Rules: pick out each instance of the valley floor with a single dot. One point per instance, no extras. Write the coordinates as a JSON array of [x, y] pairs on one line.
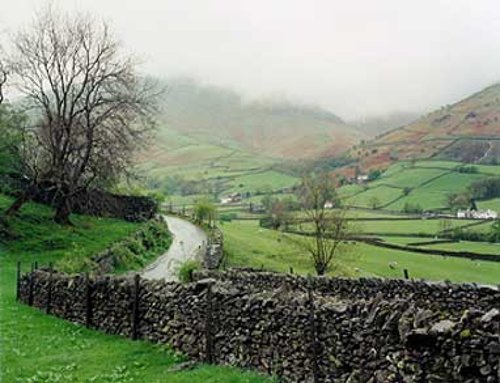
[[247, 244]]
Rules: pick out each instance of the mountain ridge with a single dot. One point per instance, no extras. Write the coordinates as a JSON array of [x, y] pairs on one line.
[[467, 131]]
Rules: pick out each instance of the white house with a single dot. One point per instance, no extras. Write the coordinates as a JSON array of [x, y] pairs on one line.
[[328, 205], [477, 214]]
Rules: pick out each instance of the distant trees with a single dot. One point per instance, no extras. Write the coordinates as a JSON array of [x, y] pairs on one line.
[[469, 169], [374, 174], [279, 209], [90, 109], [485, 189], [205, 212], [330, 228], [412, 208], [457, 201], [479, 190]]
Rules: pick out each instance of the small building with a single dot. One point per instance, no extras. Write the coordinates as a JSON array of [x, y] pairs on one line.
[[231, 198], [329, 205], [477, 214], [362, 178]]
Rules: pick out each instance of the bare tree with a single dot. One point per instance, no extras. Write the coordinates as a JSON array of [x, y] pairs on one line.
[[330, 227], [3, 75], [90, 108]]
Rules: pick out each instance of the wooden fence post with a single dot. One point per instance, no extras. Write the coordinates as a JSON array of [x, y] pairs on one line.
[[208, 326], [313, 333], [18, 281], [49, 291], [405, 271], [135, 307], [30, 296], [88, 301]]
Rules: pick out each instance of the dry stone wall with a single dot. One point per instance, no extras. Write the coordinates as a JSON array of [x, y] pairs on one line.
[[441, 296], [319, 330]]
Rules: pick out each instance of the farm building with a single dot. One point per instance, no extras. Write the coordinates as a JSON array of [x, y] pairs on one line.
[[477, 214]]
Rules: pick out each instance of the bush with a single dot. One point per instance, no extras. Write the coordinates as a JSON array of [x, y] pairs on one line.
[[227, 217], [412, 208], [131, 253], [467, 169], [186, 270]]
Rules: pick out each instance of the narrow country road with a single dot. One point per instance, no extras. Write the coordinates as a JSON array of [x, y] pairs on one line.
[[188, 243]]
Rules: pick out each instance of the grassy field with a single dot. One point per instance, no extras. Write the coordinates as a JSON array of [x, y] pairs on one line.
[[37, 348], [247, 244], [231, 167], [413, 226], [474, 247], [417, 226], [375, 197], [427, 183]]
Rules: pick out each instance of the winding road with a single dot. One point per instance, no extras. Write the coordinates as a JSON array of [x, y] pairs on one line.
[[188, 243]]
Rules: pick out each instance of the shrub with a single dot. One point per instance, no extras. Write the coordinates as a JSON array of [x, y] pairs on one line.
[[412, 208], [227, 217], [186, 270]]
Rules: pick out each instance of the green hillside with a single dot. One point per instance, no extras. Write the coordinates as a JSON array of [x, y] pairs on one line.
[[466, 131], [423, 184], [213, 135]]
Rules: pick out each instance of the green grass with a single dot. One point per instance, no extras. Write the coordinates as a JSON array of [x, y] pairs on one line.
[[430, 183], [375, 261], [247, 244], [475, 247], [262, 181], [412, 177], [417, 226], [382, 195], [37, 348], [493, 204]]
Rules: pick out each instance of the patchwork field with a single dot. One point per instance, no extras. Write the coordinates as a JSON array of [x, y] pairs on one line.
[[423, 184]]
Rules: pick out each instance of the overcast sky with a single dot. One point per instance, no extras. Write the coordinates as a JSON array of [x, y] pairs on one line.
[[354, 57]]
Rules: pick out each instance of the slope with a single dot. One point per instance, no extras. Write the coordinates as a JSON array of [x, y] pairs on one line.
[[467, 131]]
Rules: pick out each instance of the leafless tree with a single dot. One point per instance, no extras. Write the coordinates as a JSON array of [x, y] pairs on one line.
[[3, 75], [330, 227], [91, 110]]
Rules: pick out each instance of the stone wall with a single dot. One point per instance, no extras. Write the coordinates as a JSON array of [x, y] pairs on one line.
[[90, 202], [104, 204], [433, 295], [357, 332], [214, 251]]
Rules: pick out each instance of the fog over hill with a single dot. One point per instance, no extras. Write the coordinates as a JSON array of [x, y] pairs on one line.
[[271, 127], [377, 124]]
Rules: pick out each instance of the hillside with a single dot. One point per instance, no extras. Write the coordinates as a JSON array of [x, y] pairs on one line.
[[195, 114], [467, 131], [227, 144]]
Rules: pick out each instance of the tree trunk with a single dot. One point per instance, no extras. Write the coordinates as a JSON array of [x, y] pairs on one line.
[[17, 204], [320, 268], [63, 212]]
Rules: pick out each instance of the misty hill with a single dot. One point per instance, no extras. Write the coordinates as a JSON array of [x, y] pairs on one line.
[[383, 123], [467, 131], [200, 114]]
